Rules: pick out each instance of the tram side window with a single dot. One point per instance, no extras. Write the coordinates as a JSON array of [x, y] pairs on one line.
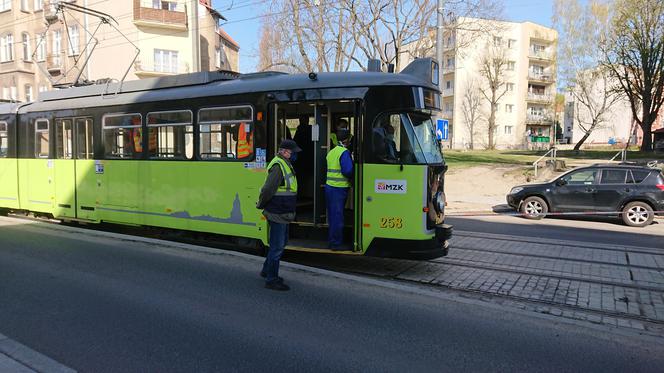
[[64, 143], [83, 135], [41, 138], [123, 136], [171, 134], [226, 133], [4, 140]]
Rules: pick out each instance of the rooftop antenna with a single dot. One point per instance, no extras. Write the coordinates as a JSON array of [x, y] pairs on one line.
[[54, 10]]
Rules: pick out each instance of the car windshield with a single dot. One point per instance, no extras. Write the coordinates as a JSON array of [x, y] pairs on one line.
[[406, 138]]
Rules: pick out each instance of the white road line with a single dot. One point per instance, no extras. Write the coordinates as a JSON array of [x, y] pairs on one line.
[[15, 358]]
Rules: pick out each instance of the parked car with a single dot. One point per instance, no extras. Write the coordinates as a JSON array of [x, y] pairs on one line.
[[633, 192]]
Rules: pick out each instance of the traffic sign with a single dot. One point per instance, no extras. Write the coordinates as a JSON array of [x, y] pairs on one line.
[[442, 129]]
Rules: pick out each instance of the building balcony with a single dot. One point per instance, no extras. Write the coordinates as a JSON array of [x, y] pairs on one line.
[[541, 98], [448, 114], [542, 78], [539, 120], [448, 69], [540, 55], [146, 68], [54, 64], [448, 92], [146, 15]]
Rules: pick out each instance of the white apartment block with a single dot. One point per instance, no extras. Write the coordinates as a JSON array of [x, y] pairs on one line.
[[615, 124], [524, 116], [160, 29]]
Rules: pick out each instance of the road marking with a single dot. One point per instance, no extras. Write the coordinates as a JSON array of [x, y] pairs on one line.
[[16, 357]]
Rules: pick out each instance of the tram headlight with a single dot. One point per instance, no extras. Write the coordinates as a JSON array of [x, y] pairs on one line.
[[439, 202]]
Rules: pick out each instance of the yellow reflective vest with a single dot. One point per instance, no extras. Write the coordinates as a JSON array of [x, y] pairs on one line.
[[334, 176]]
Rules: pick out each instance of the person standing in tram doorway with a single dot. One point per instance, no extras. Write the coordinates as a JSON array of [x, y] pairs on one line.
[[278, 200], [339, 173]]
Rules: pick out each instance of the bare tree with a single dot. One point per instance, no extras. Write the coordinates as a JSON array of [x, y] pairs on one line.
[[493, 67], [593, 98], [634, 54], [581, 29], [471, 106], [339, 35]]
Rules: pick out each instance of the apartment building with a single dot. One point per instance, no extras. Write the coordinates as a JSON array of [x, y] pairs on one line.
[[524, 115], [161, 30]]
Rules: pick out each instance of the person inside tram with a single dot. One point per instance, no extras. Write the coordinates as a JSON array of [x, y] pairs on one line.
[[391, 152], [340, 126]]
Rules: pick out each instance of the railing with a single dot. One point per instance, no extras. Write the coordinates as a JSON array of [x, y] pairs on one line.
[[540, 77], [553, 154], [538, 97], [448, 114], [539, 119], [448, 92], [541, 55], [143, 11], [448, 69], [623, 156], [147, 65]]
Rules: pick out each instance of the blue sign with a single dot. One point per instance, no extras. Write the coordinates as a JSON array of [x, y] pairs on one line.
[[442, 129]]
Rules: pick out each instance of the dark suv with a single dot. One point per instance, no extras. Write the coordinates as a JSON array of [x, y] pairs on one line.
[[634, 192]]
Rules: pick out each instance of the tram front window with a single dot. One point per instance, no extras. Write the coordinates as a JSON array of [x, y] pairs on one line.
[[405, 138]]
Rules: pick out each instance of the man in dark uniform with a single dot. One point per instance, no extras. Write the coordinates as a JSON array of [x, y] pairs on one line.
[[278, 200]]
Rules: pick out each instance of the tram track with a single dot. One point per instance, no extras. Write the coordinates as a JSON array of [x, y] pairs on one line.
[[575, 244], [551, 257]]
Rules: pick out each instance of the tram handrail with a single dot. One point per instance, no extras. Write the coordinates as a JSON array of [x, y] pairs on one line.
[[554, 153]]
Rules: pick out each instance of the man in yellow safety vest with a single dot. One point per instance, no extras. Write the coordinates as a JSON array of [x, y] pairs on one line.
[[278, 199], [339, 173]]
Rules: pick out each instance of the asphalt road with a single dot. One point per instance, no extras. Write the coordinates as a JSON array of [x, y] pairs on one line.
[[98, 304], [585, 229]]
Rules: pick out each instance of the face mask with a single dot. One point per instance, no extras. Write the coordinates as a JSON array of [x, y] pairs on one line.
[[293, 157]]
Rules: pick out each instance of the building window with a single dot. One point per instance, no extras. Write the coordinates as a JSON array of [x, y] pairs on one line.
[[24, 5], [28, 93], [41, 48], [41, 138], [217, 58], [13, 93], [511, 65], [164, 5], [165, 61], [171, 134], [497, 41], [508, 130], [7, 48], [4, 140], [510, 87], [57, 44], [537, 69], [123, 135], [26, 46], [448, 84], [509, 108], [39, 5], [511, 43], [73, 41], [5, 93], [5, 5], [450, 62], [226, 133]]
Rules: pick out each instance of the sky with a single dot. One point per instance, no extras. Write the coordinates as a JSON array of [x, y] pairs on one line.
[[244, 22]]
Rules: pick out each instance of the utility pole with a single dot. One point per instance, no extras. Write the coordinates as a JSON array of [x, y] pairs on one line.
[[439, 52], [195, 38]]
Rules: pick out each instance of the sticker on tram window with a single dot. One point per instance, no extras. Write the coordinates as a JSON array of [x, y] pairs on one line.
[[391, 223], [391, 186]]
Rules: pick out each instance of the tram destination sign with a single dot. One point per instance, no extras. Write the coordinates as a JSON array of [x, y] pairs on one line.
[[391, 186]]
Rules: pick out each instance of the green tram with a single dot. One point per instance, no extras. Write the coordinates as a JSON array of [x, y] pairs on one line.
[[163, 152]]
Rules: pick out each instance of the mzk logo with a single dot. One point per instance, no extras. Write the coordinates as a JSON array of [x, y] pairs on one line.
[[391, 186]]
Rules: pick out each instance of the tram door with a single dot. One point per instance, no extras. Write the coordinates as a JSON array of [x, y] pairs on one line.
[[64, 169]]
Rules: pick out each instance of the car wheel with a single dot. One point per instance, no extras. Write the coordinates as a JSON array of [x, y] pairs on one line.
[[534, 208], [637, 214]]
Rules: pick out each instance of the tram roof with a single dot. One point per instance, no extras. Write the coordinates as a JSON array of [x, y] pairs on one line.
[[196, 85]]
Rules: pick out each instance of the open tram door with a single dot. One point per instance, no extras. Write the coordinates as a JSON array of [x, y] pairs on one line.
[[310, 125]]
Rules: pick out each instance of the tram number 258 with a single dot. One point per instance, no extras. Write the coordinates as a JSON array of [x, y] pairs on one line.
[[391, 223]]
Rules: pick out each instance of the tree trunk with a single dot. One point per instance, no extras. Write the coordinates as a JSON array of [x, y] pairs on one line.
[[578, 145], [646, 127], [472, 138], [492, 125]]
